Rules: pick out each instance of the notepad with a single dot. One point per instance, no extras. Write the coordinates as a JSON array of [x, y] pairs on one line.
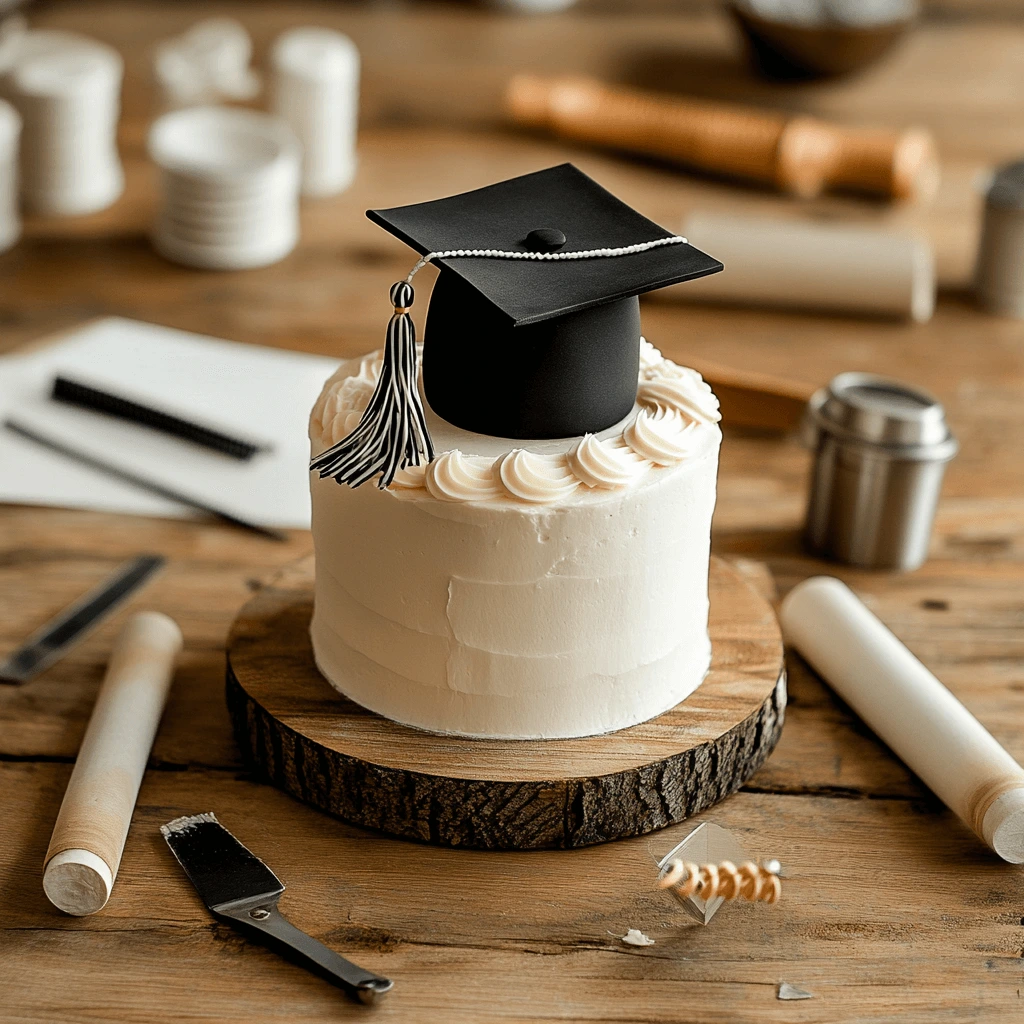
[[260, 394]]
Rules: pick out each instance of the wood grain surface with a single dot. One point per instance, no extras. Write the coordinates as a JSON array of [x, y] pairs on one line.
[[296, 730], [892, 909]]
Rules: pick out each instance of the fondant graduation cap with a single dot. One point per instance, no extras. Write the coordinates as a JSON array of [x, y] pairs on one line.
[[533, 329]]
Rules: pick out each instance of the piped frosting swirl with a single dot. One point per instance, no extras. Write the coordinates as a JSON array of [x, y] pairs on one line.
[[661, 436], [599, 464], [687, 394], [540, 479], [453, 476]]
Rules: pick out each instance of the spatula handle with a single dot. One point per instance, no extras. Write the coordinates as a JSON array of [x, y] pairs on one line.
[[273, 927], [88, 838]]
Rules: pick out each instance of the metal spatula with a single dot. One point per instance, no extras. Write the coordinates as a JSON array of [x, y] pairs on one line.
[[238, 887]]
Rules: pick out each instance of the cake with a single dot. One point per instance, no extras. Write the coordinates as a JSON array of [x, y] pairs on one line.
[[532, 561]]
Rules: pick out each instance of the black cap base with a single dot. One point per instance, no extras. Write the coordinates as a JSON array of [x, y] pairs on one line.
[[562, 377]]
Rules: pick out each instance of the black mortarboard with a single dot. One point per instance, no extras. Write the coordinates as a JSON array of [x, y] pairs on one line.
[[533, 329]]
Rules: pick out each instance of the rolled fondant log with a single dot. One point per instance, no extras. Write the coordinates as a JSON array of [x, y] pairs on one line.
[[838, 267], [923, 723], [88, 838]]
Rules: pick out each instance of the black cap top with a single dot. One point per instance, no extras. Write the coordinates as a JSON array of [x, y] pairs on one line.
[[526, 214]]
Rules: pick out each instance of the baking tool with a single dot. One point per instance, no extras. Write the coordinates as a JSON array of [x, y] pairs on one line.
[[880, 452], [798, 154], [136, 480], [237, 886], [702, 872], [314, 86], [88, 838], [999, 273], [207, 64], [50, 643], [808, 38], [323, 749], [230, 187], [87, 396], [10, 133], [813, 265], [68, 94], [749, 398], [923, 723]]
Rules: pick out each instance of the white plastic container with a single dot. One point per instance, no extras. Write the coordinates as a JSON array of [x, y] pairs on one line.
[[69, 100], [230, 187], [10, 132], [314, 86]]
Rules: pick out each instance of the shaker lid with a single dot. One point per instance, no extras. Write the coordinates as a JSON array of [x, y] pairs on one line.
[[1007, 186], [874, 410]]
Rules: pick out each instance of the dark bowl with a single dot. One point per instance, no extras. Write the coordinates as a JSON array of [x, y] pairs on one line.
[[784, 50]]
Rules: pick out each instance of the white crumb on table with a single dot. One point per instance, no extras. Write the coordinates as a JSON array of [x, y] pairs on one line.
[[787, 991], [635, 937]]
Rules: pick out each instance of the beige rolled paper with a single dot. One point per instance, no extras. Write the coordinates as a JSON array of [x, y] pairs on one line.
[[88, 838], [833, 267], [923, 723]]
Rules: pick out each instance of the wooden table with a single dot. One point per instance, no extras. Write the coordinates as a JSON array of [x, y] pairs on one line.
[[890, 904]]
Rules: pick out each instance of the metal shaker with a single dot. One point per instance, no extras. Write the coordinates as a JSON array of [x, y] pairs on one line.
[[999, 272], [880, 452]]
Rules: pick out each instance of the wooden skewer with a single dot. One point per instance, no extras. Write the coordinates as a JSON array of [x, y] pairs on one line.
[[88, 838], [798, 154]]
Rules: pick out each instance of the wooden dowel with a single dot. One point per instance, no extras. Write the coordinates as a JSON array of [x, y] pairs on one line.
[[923, 723], [758, 400], [800, 154], [88, 838]]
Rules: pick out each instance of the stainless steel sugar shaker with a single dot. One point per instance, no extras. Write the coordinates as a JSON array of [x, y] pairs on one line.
[[999, 271], [880, 451]]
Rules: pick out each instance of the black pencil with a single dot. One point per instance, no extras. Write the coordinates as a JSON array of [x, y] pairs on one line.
[[88, 396], [143, 483]]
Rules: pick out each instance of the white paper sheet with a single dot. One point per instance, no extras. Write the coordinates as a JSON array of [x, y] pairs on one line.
[[259, 394]]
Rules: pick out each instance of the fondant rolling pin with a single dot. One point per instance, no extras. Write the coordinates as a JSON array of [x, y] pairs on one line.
[[923, 723], [808, 265], [88, 839], [798, 154]]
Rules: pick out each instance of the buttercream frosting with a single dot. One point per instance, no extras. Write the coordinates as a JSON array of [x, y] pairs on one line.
[[674, 419], [539, 479], [603, 464], [453, 476]]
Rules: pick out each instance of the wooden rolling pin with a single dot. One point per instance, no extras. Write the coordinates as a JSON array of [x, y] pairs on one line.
[[88, 839], [798, 154]]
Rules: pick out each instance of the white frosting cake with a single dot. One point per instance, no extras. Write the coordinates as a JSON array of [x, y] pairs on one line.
[[516, 589]]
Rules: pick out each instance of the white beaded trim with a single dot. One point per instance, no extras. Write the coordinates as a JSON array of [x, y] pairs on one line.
[[582, 254]]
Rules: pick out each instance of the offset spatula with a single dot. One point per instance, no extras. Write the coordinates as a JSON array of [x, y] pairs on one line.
[[239, 887]]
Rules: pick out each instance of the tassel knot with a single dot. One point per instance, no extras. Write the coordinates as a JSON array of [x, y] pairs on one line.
[[392, 433]]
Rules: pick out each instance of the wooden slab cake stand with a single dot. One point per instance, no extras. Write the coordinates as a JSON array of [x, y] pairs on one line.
[[303, 736]]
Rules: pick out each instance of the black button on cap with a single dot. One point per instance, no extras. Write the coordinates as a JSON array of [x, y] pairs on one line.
[[545, 240]]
